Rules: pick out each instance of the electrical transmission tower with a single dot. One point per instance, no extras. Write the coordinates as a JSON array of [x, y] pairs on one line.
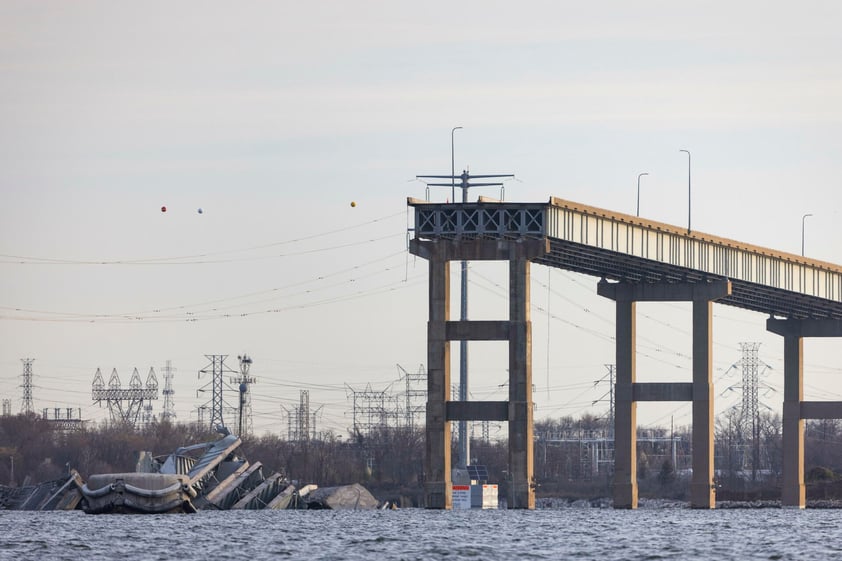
[[243, 383], [299, 418], [124, 404], [168, 413], [370, 410], [608, 396], [6, 410], [749, 417], [304, 415], [748, 411], [301, 421], [147, 416], [416, 394], [26, 385], [217, 405]]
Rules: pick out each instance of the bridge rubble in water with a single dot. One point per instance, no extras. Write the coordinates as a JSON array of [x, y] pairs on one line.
[[207, 476]]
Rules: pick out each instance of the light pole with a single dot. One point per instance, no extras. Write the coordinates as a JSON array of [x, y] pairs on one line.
[[688, 189], [452, 167], [638, 191], [803, 218], [464, 443]]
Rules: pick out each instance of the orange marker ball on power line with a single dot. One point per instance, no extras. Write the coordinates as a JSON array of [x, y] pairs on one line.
[[353, 203]]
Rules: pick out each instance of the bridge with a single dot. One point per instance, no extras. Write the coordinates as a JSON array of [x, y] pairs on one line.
[[636, 260]]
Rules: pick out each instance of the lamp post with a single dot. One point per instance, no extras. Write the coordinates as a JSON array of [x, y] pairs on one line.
[[688, 189], [452, 167], [638, 191], [464, 443], [803, 219]]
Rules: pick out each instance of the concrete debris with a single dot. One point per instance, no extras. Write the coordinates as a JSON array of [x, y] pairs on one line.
[[138, 492], [211, 475], [346, 497], [60, 494]]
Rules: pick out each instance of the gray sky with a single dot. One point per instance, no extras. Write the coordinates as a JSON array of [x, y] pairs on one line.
[[273, 116]]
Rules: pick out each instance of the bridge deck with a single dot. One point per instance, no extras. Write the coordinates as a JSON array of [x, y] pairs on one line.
[[622, 247]]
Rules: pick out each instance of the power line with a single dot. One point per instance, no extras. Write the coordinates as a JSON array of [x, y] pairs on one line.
[[156, 314], [179, 260]]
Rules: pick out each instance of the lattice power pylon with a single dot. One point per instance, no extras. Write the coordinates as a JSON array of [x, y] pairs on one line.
[[304, 415], [416, 394], [124, 404], [168, 412], [301, 421], [749, 418], [748, 411], [217, 406], [371, 411], [608, 396], [6, 408], [26, 405]]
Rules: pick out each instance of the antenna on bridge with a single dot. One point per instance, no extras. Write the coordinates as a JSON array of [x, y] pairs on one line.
[[465, 182]]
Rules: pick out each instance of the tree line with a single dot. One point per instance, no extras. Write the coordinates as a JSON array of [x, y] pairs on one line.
[[573, 456]]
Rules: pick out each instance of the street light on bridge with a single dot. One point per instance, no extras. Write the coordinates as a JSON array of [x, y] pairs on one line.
[[452, 167], [803, 218], [638, 191], [688, 189]]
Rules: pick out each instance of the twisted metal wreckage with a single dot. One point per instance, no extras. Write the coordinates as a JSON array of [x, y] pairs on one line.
[[207, 476]]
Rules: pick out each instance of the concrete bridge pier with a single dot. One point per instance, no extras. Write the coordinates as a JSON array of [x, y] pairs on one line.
[[517, 331], [795, 409], [702, 490], [625, 408], [521, 406], [438, 488], [628, 391]]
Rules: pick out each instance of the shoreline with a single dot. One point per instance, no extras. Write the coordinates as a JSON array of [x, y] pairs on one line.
[[607, 502]]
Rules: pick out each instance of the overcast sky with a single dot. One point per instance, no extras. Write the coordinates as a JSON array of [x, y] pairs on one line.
[[271, 117]]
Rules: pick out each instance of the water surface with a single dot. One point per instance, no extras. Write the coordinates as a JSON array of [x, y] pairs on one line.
[[566, 533]]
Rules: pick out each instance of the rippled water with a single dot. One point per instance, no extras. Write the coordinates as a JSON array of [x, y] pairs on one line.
[[569, 533]]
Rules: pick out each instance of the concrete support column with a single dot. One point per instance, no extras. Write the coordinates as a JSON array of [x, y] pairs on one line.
[[438, 488], [625, 409], [702, 491], [792, 491], [795, 409], [628, 391], [521, 441], [438, 491]]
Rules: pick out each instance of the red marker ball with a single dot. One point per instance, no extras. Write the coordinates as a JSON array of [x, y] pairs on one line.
[[163, 209]]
